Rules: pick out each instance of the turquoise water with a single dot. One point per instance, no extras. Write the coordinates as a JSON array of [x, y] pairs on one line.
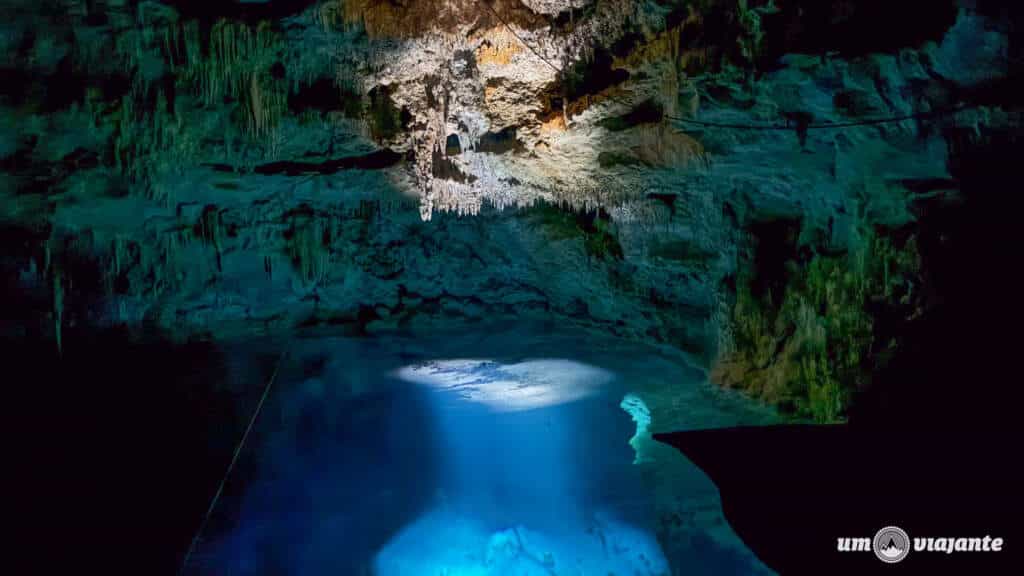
[[504, 453]]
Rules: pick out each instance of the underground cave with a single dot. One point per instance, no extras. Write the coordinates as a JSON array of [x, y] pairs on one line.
[[509, 287]]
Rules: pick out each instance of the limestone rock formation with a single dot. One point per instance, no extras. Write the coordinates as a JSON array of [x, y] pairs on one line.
[[647, 168], [637, 409]]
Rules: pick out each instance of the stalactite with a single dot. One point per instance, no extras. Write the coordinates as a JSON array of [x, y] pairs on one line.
[[58, 309], [46, 257], [236, 65], [309, 250], [118, 254]]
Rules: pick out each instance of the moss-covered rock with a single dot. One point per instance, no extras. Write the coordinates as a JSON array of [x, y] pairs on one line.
[[594, 228], [808, 343]]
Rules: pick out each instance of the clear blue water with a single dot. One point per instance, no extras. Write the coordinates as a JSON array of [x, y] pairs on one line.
[[370, 459]]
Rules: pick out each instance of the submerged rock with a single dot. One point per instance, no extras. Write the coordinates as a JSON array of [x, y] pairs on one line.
[[637, 409]]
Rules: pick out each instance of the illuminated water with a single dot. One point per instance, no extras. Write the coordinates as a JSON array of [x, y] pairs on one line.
[[506, 453]]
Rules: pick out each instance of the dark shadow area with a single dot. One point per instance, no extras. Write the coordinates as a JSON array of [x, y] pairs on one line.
[[928, 446], [377, 160], [854, 28], [647, 112], [791, 491], [123, 441], [209, 11], [776, 244], [326, 480], [500, 142], [954, 366], [324, 95]]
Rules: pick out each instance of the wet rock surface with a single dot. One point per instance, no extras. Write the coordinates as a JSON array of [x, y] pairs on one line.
[[806, 203], [226, 169]]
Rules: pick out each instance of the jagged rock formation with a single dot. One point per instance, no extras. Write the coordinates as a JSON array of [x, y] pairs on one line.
[[501, 100], [637, 409], [221, 169]]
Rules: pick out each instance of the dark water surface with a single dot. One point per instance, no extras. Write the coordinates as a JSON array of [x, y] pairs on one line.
[[497, 454], [356, 466]]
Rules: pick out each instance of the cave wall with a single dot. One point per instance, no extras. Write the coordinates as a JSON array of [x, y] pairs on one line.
[[216, 170]]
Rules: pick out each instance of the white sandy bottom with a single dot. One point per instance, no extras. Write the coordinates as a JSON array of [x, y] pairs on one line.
[[444, 543]]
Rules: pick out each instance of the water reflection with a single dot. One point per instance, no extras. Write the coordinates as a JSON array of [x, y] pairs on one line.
[[375, 457]]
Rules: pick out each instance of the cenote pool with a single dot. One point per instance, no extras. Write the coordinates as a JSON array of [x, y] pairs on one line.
[[500, 452]]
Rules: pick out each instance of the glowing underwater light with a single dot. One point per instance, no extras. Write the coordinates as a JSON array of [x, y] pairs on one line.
[[516, 492], [514, 387]]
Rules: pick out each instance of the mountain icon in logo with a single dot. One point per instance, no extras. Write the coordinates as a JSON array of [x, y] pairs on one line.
[[891, 549], [891, 544]]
